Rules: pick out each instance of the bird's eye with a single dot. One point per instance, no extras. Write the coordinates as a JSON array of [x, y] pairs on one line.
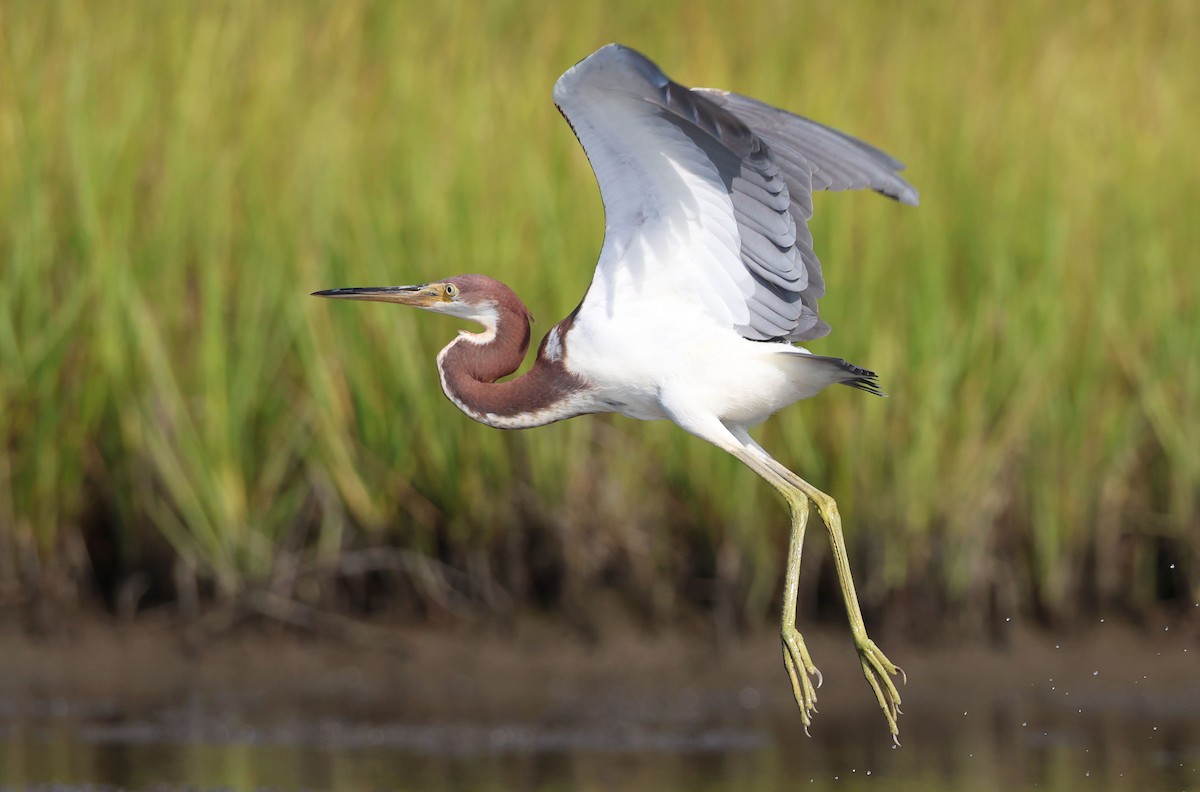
[[451, 290]]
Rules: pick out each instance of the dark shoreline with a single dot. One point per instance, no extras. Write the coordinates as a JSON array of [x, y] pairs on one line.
[[438, 674]]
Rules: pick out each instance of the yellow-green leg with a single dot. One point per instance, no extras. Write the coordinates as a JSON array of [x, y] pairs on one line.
[[796, 659], [798, 492], [875, 665]]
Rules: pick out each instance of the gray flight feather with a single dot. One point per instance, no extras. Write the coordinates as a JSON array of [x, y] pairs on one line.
[[768, 160]]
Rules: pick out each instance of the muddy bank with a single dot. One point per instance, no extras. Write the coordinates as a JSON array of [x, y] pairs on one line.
[[538, 672]]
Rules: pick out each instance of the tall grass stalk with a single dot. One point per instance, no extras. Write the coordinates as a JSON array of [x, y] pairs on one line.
[[176, 177]]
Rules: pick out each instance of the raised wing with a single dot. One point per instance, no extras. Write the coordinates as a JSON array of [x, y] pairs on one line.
[[716, 185]]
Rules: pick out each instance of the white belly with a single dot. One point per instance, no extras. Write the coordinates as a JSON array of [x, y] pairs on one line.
[[636, 363]]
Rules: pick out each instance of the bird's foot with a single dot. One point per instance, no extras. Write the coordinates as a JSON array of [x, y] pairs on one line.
[[802, 672], [879, 672]]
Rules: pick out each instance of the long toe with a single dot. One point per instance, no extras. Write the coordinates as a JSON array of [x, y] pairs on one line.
[[801, 673], [879, 672]]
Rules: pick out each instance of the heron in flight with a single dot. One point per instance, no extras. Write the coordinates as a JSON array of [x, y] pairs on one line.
[[705, 284]]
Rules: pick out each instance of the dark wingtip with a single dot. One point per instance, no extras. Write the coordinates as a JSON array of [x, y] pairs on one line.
[[867, 384], [860, 378]]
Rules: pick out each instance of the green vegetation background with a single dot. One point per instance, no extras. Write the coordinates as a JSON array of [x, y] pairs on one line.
[[175, 178]]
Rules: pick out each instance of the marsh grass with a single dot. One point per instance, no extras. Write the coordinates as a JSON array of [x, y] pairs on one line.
[[175, 178]]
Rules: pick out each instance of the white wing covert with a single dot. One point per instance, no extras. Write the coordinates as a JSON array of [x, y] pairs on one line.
[[729, 173]]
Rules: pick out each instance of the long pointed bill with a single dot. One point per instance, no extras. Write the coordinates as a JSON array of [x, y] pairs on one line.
[[418, 296]]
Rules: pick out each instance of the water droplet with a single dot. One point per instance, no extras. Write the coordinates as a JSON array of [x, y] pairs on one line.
[[749, 698]]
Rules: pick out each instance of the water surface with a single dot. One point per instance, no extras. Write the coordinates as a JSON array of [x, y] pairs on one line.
[[1014, 720]]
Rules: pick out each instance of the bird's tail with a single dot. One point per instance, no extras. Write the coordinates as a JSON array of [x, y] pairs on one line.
[[852, 375]]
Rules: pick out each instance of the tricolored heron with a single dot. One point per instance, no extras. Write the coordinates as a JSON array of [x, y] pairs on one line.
[[706, 281]]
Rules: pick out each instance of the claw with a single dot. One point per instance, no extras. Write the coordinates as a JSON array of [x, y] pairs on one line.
[[801, 673], [879, 671], [820, 677]]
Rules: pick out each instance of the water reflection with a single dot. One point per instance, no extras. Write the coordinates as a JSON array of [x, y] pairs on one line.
[[1107, 713], [1011, 744]]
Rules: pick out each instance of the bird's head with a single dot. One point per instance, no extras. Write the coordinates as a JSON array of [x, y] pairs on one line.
[[477, 298]]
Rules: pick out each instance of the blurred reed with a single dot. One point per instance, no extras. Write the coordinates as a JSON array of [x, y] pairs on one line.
[[176, 177]]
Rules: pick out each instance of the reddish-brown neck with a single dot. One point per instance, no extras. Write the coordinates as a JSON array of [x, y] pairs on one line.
[[471, 365]]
